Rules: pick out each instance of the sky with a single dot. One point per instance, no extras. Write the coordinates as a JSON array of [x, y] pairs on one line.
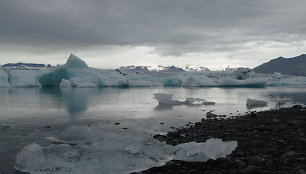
[[114, 33]]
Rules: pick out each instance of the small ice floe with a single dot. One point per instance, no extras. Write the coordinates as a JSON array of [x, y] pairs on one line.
[[166, 99], [252, 103], [114, 151], [197, 101]]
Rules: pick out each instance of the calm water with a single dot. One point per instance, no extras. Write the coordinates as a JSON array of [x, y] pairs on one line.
[[30, 110]]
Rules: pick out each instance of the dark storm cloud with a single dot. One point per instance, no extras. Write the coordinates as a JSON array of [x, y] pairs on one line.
[[171, 26]]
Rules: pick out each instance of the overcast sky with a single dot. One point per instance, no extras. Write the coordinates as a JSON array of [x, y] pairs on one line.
[[111, 33]]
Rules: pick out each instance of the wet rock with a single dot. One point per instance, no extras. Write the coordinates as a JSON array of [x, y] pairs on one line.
[[240, 163], [301, 171], [211, 115], [290, 154], [160, 137], [255, 160], [251, 169], [297, 107], [292, 122]]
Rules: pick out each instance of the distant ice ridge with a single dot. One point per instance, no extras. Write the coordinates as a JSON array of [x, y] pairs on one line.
[[77, 73], [112, 149]]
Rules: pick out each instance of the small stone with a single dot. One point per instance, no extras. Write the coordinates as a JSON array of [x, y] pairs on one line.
[[170, 163], [275, 120], [48, 126], [241, 163], [222, 160], [292, 123], [301, 171], [251, 169], [117, 123], [282, 172], [290, 153], [256, 161]]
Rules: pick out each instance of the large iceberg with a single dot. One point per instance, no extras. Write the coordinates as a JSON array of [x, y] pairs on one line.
[[76, 73], [128, 147]]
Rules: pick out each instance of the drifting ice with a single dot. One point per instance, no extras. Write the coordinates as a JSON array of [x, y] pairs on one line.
[[166, 99], [76, 73]]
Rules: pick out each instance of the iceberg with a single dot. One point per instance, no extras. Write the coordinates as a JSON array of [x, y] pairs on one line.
[[77, 73], [166, 99], [100, 149]]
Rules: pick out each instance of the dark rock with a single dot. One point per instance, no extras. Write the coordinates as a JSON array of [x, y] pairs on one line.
[[297, 107], [222, 160], [210, 115], [251, 169], [117, 123], [241, 164], [160, 137], [290, 154], [255, 160], [301, 171]]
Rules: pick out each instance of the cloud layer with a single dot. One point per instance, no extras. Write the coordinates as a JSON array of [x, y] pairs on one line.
[[172, 28]]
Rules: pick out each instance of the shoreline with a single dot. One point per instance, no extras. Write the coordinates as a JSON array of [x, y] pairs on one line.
[[272, 141]]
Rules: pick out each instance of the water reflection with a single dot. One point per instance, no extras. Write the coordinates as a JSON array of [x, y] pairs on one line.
[[75, 100], [162, 107]]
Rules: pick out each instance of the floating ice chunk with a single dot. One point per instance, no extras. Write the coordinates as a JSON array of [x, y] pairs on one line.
[[197, 101], [252, 103], [212, 149], [166, 99], [31, 158], [65, 84]]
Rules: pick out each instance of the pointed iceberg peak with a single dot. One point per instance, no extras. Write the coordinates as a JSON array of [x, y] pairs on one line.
[[75, 62]]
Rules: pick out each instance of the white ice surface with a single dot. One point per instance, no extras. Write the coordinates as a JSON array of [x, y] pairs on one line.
[[109, 148], [166, 99]]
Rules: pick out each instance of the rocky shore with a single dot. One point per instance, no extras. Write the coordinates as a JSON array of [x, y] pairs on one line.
[[268, 142]]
